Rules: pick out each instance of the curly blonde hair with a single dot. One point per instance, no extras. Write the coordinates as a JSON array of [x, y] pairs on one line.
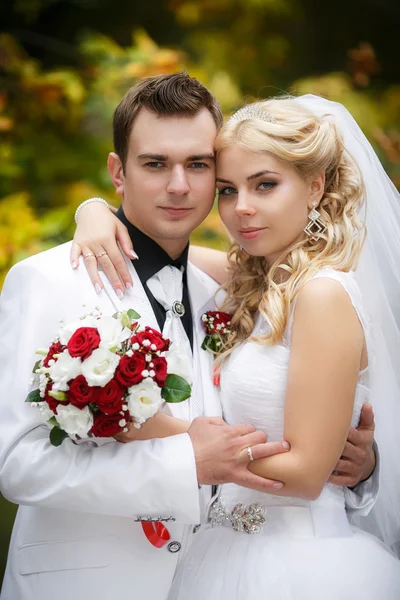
[[311, 145]]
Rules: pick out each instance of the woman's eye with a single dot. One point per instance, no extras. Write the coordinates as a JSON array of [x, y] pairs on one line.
[[266, 185], [227, 191]]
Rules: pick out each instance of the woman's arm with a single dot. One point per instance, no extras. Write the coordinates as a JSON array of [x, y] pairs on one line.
[[157, 427], [327, 345], [213, 262], [99, 232]]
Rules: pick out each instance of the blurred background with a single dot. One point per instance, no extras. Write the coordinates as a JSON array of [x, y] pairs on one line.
[[65, 64]]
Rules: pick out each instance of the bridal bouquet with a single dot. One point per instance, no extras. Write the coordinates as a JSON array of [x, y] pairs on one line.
[[101, 373]]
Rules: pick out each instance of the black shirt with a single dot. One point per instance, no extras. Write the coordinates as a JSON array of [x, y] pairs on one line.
[[152, 258]]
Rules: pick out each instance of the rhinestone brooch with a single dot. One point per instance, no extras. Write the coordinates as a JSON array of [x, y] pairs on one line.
[[245, 518]]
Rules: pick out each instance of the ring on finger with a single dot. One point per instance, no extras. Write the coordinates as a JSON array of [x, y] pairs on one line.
[[104, 253], [88, 254], [250, 454]]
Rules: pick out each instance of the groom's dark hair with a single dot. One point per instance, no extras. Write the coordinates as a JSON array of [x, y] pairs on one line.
[[165, 95]]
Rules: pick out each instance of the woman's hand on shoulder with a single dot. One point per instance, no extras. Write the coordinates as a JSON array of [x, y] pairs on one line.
[[96, 238]]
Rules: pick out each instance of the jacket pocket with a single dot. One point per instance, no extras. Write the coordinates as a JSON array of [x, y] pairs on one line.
[[64, 556]]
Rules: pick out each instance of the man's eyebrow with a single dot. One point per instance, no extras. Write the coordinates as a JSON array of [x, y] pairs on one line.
[[160, 157], [163, 157], [209, 156]]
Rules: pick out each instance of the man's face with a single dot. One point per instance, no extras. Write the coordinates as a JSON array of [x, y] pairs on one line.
[[168, 187]]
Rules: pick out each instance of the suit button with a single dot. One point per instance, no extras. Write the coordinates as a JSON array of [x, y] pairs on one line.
[[196, 528], [174, 547]]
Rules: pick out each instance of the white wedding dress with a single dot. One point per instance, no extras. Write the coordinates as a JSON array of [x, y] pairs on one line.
[[306, 550]]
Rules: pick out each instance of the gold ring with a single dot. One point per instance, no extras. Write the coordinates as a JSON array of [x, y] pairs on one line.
[[88, 254], [104, 253], [250, 454]]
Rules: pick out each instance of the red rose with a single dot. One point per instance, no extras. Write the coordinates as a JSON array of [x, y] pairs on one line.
[[80, 394], [83, 342], [109, 398], [108, 425], [214, 318], [160, 368], [129, 371], [55, 348], [150, 337]]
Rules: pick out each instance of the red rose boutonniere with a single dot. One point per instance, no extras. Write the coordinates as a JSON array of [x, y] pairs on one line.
[[217, 328]]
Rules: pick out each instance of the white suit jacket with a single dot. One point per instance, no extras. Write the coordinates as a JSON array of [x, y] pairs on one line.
[[76, 534]]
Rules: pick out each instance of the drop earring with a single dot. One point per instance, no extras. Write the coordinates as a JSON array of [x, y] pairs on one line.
[[315, 227]]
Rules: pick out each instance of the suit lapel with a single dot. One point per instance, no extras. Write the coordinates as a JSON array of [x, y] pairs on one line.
[[202, 290]]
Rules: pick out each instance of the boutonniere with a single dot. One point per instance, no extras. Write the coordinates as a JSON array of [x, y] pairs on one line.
[[217, 327]]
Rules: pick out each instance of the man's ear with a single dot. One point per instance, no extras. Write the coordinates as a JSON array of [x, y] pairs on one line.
[[116, 171], [317, 188]]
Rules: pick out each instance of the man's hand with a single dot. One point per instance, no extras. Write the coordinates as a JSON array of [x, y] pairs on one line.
[[358, 459], [221, 453]]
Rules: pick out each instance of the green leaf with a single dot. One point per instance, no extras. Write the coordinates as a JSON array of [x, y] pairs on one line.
[[36, 365], [59, 396], [57, 436], [176, 389], [53, 421], [34, 396], [133, 315], [125, 321]]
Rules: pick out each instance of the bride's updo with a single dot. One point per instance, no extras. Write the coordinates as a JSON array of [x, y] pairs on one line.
[[310, 144]]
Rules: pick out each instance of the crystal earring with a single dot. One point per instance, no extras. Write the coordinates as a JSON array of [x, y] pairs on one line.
[[315, 227]]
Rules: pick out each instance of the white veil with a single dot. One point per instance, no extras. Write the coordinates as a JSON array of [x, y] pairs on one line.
[[378, 276]]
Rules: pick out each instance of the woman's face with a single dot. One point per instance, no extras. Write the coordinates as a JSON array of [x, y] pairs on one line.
[[263, 202]]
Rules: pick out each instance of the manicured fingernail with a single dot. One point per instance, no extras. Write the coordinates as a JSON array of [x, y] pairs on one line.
[[74, 264], [97, 287], [133, 254], [119, 293], [286, 445], [129, 287], [277, 485]]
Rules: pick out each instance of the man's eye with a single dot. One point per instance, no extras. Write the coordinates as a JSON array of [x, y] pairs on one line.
[[154, 164], [227, 191], [266, 185], [198, 165]]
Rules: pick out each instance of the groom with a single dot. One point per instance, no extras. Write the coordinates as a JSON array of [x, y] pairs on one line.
[[78, 533]]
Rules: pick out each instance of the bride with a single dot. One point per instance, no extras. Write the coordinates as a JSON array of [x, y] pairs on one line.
[[302, 358]]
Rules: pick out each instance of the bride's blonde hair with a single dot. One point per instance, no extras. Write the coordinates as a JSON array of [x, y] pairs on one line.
[[311, 145]]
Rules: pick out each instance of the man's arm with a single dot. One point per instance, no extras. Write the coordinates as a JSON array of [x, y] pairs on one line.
[[156, 477], [358, 467]]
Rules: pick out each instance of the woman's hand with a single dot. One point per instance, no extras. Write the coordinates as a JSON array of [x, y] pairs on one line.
[[97, 237], [159, 426]]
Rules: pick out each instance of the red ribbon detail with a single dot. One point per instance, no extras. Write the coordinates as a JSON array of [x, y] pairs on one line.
[[156, 533]]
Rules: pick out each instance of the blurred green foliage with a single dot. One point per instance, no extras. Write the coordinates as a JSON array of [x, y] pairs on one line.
[[65, 64]]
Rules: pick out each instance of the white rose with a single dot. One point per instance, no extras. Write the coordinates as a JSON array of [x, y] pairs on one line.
[[73, 420], [100, 367], [112, 333], [178, 363], [144, 400], [65, 368], [68, 331]]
